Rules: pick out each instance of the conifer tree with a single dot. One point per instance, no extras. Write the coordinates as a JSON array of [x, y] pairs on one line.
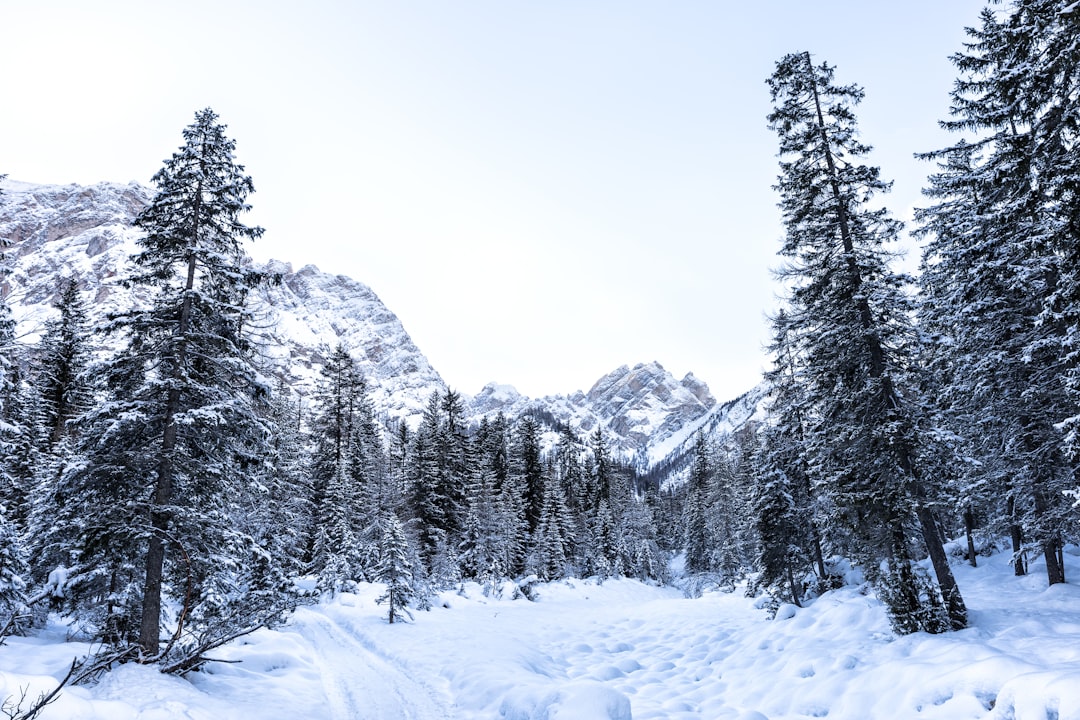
[[641, 556], [696, 531], [784, 505], [394, 568], [429, 509], [280, 506], [184, 391], [553, 539], [338, 474], [482, 551], [62, 363], [1000, 285], [13, 568], [527, 468], [854, 333]]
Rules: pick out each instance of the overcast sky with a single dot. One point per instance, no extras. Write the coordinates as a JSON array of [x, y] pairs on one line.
[[541, 191]]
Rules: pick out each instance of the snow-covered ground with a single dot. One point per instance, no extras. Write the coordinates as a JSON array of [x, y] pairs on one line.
[[616, 650]]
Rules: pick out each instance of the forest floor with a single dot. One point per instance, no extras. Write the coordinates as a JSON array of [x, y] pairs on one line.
[[610, 651]]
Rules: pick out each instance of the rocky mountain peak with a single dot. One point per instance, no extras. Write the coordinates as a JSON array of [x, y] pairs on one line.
[[86, 233]]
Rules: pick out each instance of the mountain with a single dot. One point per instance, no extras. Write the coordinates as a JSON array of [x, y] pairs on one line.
[[85, 232]]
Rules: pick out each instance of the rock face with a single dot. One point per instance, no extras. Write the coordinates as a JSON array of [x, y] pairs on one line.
[[311, 312], [646, 405], [86, 233]]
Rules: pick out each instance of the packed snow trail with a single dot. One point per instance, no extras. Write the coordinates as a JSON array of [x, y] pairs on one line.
[[361, 684]]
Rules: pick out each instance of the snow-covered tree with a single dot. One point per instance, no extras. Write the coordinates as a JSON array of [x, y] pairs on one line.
[[173, 443], [394, 568], [696, 530], [783, 503], [854, 332], [62, 361], [348, 471], [1000, 281]]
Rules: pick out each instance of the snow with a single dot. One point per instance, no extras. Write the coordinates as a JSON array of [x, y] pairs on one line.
[[611, 651]]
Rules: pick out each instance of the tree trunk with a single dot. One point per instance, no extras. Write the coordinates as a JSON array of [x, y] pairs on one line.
[[150, 622], [950, 593], [1055, 570], [1016, 536], [969, 529], [795, 595]]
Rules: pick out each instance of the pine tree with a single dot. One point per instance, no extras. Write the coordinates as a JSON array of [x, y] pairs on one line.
[[641, 556], [438, 478], [696, 531], [394, 568], [728, 518], [854, 332], [482, 550], [339, 555], [183, 388], [279, 509], [527, 468], [553, 539], [62, 362], [602, 475], [1000, 285], [429, 509], [784, 504]]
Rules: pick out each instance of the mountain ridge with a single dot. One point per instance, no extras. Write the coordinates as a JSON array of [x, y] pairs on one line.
[[85, 232]]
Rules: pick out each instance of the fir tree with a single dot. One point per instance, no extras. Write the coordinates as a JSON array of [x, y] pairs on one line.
[[854, 333], [62, 363], [784, 505], [553, 540], [527, 468], [696, 531], [394, 568], [184, 391], [1000, 285], [344, 472]]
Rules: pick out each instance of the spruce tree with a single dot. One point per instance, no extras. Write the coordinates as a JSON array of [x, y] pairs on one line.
[[854, 334], [696, 531], [785, 507], [13, 568], [394, 568], [62, 362], [1000, 285], [184, 391], [527, 468], [553, 539], [338, 554]]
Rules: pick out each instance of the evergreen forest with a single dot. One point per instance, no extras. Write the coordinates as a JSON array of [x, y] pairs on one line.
[[170, 496]]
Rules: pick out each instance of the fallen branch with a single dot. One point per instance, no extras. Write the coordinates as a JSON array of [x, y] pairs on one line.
[[15, 711], [11, 625]]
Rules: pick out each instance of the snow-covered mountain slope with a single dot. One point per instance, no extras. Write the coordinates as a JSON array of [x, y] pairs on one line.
[[640, 408], [86, 233], [312, 311], [673, 457]]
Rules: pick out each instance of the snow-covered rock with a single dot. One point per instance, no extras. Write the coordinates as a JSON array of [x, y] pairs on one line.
[[85, 232]]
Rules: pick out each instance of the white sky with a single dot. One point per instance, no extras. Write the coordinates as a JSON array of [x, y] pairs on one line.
[[541, 191]]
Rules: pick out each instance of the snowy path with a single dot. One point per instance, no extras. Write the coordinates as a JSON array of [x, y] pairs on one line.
[[619, 650], [360, 683]]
